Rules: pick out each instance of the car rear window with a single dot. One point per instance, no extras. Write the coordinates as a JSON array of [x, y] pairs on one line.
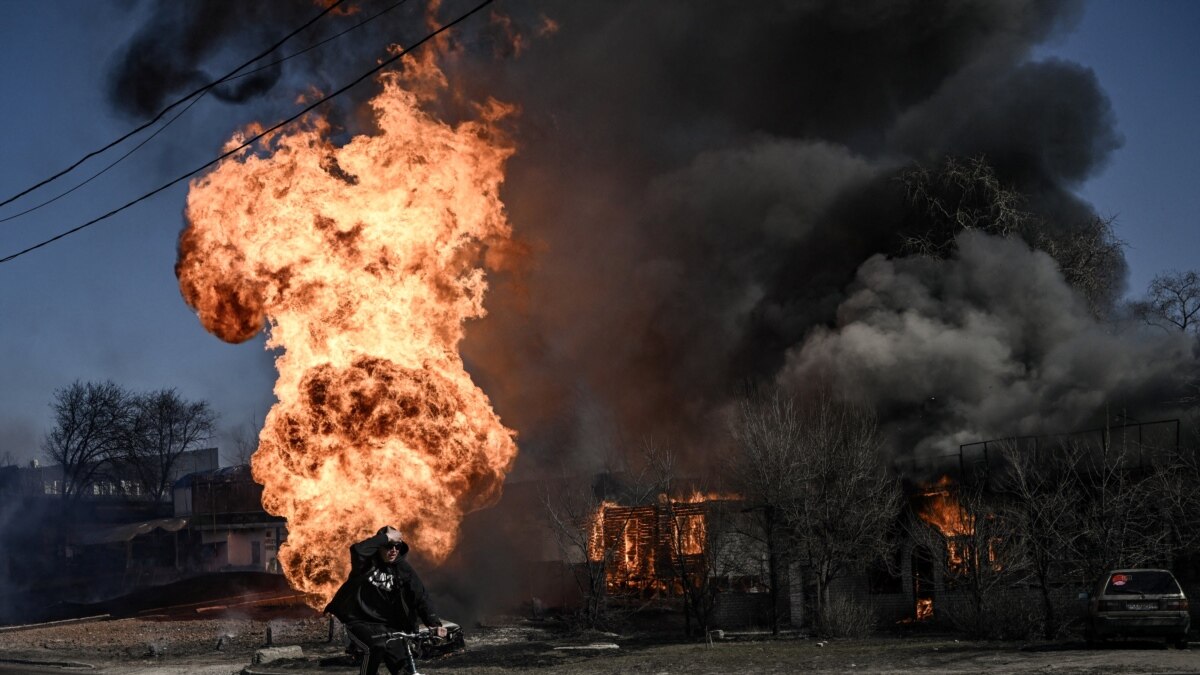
[[1148, 583]]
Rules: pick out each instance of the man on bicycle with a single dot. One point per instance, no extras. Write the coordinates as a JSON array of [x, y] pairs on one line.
[[382, 595]]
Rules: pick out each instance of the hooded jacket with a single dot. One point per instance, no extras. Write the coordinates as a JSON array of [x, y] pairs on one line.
[[379, 592]]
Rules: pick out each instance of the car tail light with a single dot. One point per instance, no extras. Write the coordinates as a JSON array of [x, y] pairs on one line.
[[1175, 604]]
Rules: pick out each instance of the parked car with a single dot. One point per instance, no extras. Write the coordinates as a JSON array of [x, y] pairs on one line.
[[1137, 603]]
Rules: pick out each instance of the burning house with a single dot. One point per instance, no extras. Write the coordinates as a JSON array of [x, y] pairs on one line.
[[960, 549], [701, 540], [649, 550], [1029, 522]]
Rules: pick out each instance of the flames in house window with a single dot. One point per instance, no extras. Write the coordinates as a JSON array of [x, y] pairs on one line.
[[965, 552], [924, 609], [941, 509], [596, 541], [644, 547]]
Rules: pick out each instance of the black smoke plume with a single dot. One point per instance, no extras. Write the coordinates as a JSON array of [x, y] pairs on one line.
[[715, 194], [163, 59], [709, 194]]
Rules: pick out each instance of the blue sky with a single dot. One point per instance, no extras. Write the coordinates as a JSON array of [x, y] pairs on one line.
[[1144, 54], [104, 304]]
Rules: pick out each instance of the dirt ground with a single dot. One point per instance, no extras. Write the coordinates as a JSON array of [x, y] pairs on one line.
[[223, 645]]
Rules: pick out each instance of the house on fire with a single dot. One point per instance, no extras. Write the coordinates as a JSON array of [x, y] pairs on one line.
[[647, 550], [952, 544], [644, 552]]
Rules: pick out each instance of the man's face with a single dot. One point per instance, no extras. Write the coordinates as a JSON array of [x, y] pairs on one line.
[[390, 552]]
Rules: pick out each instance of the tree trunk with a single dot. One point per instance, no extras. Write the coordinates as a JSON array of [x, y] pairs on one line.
[[1051, 626], [1051, 619], [773, 568], [822, 576]]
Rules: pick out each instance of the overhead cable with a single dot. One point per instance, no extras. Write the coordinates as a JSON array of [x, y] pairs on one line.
[[103, 171], [383, 64], [173, 105], [196, 98]]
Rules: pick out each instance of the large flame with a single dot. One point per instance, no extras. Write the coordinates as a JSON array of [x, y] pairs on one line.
[[365, 259], [942, 510], [924, 609]]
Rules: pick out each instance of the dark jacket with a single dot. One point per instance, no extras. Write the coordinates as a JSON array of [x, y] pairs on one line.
[[381, 593]]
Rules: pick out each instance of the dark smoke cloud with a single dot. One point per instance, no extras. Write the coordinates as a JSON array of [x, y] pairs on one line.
[[705, 183], [164, 58], [708, 193], [991, 339], [181, 46], [1036, 123]]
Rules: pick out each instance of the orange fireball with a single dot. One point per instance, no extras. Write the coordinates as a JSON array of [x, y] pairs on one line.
[[364, 261]]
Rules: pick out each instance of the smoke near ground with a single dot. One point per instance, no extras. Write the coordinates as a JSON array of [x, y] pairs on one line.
[[707, 196]]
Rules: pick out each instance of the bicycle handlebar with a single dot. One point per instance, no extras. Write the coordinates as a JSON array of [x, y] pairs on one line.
[[423, 634]]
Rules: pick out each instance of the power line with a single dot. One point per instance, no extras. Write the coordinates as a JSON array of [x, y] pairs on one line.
[[194, 101], [165, 110], [103, 171], [383, 64]]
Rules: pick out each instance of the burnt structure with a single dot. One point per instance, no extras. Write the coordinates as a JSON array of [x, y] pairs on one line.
[[650, 550]]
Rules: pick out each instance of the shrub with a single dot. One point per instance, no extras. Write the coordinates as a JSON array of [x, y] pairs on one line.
[[1011, 615], [845, 617]]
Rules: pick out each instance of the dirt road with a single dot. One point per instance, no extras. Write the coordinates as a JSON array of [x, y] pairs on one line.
[[137, 646]]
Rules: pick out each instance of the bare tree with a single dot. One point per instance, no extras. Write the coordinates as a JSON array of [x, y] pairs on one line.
[[763, 468], [572, 516], [91, 422], [958, 195], [1041, 498], [965, 194], [1090, 257], [845, 503], [244, 439], [164, 426], [1119, 522], [686, 532], [1084, 506], [1172, 486], [1172, 302]]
